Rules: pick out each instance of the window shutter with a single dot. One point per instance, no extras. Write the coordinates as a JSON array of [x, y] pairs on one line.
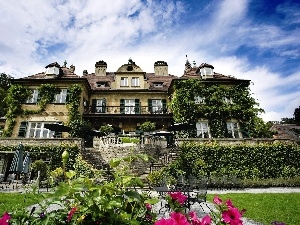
[[94, 102], [150, 105], [122, 106], [137, 109], [23, 129], [164, 105]]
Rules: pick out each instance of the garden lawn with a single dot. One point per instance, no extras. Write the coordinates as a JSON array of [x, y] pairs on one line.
[[267, 207], [10, 201]]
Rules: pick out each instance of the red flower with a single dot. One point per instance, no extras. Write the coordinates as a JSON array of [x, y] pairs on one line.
[[217, 200], [232, 216], [229, 203], [206, 220], [71, 213], [4, 219], [178, 196]]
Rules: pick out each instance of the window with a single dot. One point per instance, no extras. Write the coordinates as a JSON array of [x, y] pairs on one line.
[[34, 97], [124, 82], [203, 129], [101, 84], [158, 84], [100, 105], [130, 106], [206, 71], [199, 100], [61, 97], [227, 100], [135, 82], [233, 130], [157, 106], [37, 130]]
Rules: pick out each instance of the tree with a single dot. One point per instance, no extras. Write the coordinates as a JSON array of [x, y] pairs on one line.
[[297, 115], [4, 86]]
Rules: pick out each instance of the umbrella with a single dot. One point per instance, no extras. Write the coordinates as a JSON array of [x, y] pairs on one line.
[[57, 127], [181, 126], [163, 133], [17, 162], [26, 163]]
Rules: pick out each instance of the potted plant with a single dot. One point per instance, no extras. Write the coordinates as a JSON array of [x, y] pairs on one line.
[[147, 127]]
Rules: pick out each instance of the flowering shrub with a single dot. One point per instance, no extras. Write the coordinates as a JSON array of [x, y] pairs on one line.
[[226, 213]]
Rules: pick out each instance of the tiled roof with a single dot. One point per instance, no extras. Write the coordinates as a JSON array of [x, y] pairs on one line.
[[64, 73], [93, 80], [152, 79]]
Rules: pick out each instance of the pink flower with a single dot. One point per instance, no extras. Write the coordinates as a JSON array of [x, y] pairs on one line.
[[4, 219], [229, 203], [217, 200], [148, 206], [232, 216], [175, 219], [178, 196], [71, 213], [206, 220]]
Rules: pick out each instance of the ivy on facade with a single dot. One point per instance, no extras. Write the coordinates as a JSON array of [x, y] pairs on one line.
[[219, 104], [76, 122]]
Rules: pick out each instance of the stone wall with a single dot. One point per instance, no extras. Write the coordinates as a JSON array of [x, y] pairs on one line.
[[40, 141]]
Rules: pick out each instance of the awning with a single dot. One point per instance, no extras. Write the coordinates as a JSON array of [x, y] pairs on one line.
[[57, 127], [16, 165], [181, 126]]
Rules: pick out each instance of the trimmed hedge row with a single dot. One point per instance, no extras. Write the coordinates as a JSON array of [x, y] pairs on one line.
[[262, 161], [53, 152]]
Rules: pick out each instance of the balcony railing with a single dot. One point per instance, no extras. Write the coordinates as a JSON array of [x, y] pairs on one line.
[[125, 110]]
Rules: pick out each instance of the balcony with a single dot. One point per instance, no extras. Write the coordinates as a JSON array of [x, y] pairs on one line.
[[126, 111]]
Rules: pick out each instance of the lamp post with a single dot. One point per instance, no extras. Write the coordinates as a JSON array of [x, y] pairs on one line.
[[65, 156]]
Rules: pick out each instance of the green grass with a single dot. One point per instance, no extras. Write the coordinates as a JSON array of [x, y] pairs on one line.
[[130, 140], [267, 207], [11, 201]]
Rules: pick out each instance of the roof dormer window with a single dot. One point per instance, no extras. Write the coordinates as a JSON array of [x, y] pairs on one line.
[[158, 84], [102, 84], [52, 71], [206, 71]]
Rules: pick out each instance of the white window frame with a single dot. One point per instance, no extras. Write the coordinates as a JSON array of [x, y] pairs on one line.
[[35, 129], [199, 100], [124, 82], [158, 85], [233, 129], [34, 97], [206, 71], [61, 97], [135, 81], [203, 130], [227, 100], [100, 105], [129, 106], [157, 106]]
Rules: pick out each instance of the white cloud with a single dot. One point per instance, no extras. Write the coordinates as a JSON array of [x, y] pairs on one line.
[[35, 33]]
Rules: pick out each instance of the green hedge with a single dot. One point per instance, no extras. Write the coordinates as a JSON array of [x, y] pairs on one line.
[[245, 161], [49, 151]]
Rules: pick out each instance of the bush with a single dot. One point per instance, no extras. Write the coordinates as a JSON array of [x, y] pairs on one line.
[[42, 167]]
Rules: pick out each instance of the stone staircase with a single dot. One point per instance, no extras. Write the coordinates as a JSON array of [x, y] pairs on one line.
[[94, 156]]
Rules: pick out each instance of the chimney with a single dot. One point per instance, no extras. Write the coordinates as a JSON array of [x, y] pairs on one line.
[[161, 68], [85, 72], [100, 68]]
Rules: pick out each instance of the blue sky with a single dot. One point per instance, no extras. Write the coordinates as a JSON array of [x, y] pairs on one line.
[[257, 40]]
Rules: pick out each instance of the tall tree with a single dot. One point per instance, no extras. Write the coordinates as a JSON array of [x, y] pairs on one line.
[[5, 82], [297, 115]]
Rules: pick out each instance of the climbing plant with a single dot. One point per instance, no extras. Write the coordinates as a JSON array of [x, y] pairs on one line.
[[219, 103], [17, 95], [76, 122]]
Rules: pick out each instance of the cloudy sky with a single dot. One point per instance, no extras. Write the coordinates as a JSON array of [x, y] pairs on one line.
[[257, 40]]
